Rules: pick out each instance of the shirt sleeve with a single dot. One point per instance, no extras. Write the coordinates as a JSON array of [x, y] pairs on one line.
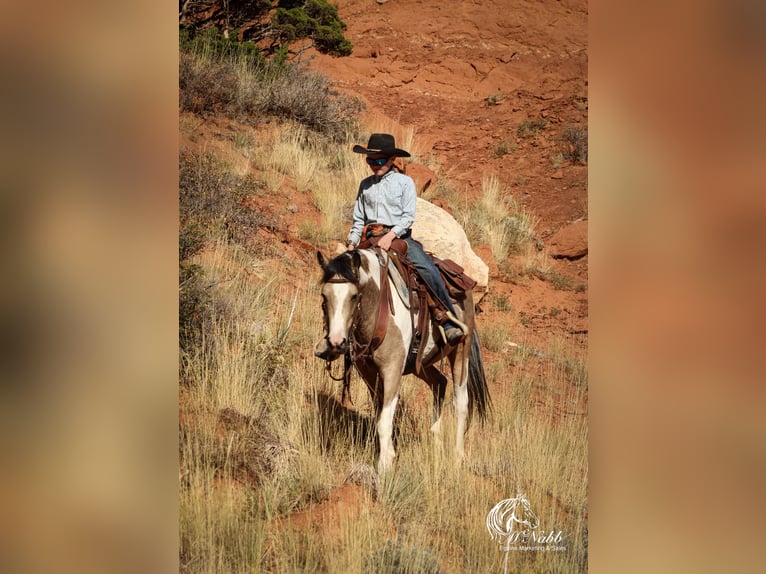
[[355, 235], [409, 202]]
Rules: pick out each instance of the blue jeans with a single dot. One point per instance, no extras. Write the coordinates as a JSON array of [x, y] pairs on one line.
[[428, 271]]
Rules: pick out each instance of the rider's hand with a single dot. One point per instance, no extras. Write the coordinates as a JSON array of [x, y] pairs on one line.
[[385, 241], [350, 246]]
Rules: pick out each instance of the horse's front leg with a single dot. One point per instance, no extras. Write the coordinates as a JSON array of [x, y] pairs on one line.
[[385, 435], [438, 383], [391, 379]]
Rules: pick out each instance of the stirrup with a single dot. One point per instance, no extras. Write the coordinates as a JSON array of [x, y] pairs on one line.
[[457, 340], [462, 326], [457, 322]]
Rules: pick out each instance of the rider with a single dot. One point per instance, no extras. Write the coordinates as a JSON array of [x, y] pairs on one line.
[[388, 197]]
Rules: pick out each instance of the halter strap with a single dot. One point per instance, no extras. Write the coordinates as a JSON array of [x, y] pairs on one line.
[[338, 279]]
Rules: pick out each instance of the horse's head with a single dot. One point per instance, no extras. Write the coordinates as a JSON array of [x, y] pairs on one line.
[[340, 294]]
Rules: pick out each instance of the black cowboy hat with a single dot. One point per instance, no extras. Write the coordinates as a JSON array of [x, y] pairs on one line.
[[383, 144]]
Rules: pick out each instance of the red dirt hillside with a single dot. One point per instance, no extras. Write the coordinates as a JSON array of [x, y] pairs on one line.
[[465, 76]]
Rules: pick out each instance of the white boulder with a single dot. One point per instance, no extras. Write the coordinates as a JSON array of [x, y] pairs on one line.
[[442, 235]]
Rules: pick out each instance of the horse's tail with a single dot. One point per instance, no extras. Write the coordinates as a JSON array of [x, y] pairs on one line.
[[478, 391]]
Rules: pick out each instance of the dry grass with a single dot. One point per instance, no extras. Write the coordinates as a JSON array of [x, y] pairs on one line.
[[264, 441], [272, 180], [429, 514], [290, 156], [334, 194], [264, 444], [329, 172], [499, 221], [248, 88]]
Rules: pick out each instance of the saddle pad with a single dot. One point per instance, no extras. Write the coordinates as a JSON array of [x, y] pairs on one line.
[[400, 286]]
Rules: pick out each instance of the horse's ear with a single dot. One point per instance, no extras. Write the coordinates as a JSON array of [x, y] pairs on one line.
[[356, 262], [322, 261]]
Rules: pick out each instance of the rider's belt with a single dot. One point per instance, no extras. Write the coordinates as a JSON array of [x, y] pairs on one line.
[[378, 229]]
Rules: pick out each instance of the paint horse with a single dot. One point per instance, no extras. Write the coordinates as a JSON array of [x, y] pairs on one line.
[[351, 289]]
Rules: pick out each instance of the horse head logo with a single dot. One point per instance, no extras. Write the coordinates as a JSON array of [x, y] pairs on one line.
[[504, 517]]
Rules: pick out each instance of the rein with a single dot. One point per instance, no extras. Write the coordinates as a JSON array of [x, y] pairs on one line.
[[346, 377]]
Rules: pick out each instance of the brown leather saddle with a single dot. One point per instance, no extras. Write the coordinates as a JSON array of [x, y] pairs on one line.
[[421, 294]]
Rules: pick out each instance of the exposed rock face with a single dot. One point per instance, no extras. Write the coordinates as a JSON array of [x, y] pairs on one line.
[[443, 236], [423, 176], [570, 241]]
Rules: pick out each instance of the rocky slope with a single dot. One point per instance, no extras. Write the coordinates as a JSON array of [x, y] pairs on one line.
[[487, 88], [466, 76]]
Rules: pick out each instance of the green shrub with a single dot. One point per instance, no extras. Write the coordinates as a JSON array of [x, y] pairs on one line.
[[192, 297], [218, 76], [530, 127], [308, 98], [191, 240], [193, 301], [231, 14], [201, 180], [217, 46], [210, 199], [315, 19], [206, 89], [208, 191], [292, 20], [559, 281], [503, 148], [574, 144]]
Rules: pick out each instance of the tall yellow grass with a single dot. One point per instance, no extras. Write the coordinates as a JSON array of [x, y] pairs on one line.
[[291, 157], [255, 358], [330, 173]]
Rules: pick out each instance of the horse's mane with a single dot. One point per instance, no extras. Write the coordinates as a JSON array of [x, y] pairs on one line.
[[342, 266]]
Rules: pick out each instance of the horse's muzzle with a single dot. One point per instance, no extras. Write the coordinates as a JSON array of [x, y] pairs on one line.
[[324, 350]]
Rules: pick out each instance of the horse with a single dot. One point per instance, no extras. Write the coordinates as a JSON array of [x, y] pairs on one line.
[[351, 293]]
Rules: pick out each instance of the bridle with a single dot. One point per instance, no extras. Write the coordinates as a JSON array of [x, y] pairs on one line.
[[356, 352], [348, 356]]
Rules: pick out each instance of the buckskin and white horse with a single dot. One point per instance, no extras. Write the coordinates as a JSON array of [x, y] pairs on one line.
[[351, 295]]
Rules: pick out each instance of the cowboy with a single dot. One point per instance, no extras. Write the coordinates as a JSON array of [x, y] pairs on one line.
[[388, 198]]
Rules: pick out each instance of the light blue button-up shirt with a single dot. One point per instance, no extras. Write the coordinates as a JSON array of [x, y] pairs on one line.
[[389, 200]]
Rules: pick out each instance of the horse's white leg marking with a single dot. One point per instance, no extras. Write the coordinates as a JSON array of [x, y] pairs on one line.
[[461, 403], [385, 430]]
